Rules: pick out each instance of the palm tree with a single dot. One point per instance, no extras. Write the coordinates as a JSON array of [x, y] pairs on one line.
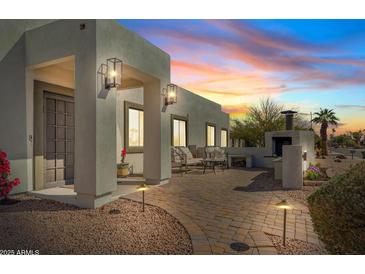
[[325, 117]]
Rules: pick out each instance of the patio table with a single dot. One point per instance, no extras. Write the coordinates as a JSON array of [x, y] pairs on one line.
[[213, 163]]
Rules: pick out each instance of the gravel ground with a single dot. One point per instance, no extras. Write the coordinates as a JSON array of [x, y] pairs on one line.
[[295, 247], [302, 194], [56, 228]]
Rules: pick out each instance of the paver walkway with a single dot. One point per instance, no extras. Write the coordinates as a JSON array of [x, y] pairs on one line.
[[232, 206]]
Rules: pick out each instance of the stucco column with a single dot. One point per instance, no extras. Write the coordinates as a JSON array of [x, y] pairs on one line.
[[156, 159], [292, 167], [95, 138]]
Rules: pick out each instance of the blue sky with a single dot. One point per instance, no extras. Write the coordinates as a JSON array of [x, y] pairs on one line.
[[304, 64]]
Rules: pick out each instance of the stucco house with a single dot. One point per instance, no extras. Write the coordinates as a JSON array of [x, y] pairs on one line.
[[62, 125]]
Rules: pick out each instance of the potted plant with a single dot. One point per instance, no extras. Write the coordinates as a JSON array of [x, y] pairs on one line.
[[123, 167], [5, 184]]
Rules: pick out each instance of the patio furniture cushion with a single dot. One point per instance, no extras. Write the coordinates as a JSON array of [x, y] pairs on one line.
[[215, 153], [209, 152], [194, 161], [187, 157], [186, 152], [219, 153], [176, 156]]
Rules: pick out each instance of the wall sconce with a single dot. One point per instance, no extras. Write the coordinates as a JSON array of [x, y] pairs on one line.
[[111, 73], [170, 94], [304, 155]]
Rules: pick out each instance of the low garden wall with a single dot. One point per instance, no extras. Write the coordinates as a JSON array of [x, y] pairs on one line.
[[346, 151], [338, 212], [259, 155]]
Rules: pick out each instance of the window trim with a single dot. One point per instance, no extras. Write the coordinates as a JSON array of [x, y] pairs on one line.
[[181, 118], [206, 134], [130, 105], [226, 130]]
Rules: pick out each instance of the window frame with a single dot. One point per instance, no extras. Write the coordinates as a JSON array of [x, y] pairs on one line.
[[227, 139], [127, 106], [180, 118], [207, 124]]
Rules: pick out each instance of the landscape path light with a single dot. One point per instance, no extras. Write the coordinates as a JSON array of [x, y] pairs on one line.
[[143, 188], [284, 205]]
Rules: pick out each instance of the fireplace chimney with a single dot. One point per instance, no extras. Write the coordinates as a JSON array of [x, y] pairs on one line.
[[289, 119]]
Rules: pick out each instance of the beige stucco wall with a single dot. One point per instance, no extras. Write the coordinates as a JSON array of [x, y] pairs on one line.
[[58, 40], [14, 138], [303, 138], [292, 173], [263, 156], [199, 112], [136, 96], [153, 70], [12, 30], [95, 111], [197, 109]]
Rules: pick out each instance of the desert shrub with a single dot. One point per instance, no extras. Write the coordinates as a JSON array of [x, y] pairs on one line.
[[338, 212]]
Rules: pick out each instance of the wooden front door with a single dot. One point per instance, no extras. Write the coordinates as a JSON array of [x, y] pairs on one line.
[[59, 139]]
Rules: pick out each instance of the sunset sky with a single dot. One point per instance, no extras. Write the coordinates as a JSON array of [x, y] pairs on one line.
[[303, 64]]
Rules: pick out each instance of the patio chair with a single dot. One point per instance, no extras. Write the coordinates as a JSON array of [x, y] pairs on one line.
[[177, 159], [188, 159], [216, 153]]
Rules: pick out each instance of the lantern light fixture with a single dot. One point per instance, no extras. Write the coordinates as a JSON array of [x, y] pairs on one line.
[[170, 94], [305, 155], [111, 73]]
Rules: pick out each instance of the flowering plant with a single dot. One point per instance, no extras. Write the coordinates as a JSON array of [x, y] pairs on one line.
[[5, 184], [313, 172], [123, 154]]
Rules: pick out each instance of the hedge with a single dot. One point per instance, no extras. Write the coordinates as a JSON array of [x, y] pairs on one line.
[[338, 212]]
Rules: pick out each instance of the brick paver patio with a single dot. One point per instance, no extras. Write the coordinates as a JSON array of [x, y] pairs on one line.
[[232, 206]]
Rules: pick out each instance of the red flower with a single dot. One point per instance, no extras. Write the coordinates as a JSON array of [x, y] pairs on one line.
[[124, 152], [5, 184], [3, 155], [16, 181]]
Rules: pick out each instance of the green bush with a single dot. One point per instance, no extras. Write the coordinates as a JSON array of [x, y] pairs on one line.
[[312, 175], [338, 212]]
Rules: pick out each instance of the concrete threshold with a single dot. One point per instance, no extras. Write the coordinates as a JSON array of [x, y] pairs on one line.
[[69, 196], [59, 194], [131, 181]]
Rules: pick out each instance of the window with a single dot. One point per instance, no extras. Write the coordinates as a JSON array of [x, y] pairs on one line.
[[179, 131], [135, 128], [210, 134], [224, 138], [133, 133]]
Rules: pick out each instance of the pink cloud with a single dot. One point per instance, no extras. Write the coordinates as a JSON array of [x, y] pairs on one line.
[[246, 61], [234, 109]]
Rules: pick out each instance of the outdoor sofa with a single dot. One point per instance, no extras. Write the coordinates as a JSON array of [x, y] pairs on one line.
[[182, 157]]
